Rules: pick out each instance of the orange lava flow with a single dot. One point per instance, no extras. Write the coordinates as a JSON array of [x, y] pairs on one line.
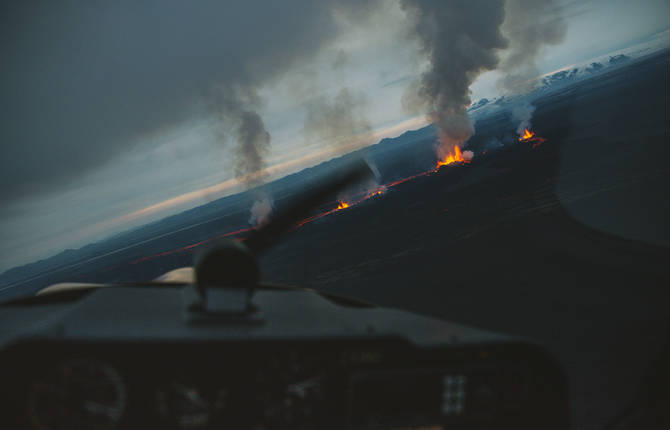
[[456, 157], [341, 204], [193, 245], [527, 134], [530, 137]]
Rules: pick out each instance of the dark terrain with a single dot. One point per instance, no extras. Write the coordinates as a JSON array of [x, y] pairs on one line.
[[565, 244], [503, 243]]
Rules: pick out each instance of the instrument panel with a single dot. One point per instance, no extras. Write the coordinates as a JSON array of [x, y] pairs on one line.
[[348, 384]]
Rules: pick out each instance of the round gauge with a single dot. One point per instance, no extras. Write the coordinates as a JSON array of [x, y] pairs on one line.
[[78, 394]]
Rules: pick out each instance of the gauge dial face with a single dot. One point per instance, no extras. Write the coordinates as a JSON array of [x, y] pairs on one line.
[[78, 394]]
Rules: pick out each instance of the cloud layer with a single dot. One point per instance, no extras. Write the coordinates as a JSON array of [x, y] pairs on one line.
[[81, 82]]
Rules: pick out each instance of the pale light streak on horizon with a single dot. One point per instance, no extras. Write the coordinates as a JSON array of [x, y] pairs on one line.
[[274, 172]]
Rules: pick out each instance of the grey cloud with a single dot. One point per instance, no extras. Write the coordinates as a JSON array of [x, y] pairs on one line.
[[82, 80], [340, 59]]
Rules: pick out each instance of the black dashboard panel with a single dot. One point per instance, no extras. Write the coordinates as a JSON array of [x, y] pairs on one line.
[[358, 384], [135, 358]]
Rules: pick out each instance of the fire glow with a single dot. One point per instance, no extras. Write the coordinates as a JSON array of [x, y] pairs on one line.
[[458, 156], [341, 205], [530, 137], [345, 204], [455, 157], [527, 134]]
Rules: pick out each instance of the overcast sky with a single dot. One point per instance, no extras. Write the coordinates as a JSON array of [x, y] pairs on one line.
[[119, 113]]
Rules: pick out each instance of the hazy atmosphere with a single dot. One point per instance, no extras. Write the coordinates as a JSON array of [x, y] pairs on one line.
[[120, 113], [335, 214]]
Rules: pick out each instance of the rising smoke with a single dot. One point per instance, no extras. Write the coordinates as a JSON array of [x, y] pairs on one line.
[[169, 53], [522, 114], [460, 39], [342, 121], [252, 144], [239, 117], [529, 25], [261, 210], [338, 121]]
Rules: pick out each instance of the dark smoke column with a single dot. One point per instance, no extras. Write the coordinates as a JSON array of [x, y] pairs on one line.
[[253, 142], [239, 116], [460, 39], [236, 107]]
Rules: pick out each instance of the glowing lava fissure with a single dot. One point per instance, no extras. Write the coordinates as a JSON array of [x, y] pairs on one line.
[[530, 137], [527, 134], [341, 205], [193, 245], [344, 204], [455, 157]]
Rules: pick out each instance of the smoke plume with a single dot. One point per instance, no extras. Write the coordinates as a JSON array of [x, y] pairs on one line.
[[460, 39], [253, 143], [529, 25], [261, 210], [238, 118], [338, 121], [523, 114]]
